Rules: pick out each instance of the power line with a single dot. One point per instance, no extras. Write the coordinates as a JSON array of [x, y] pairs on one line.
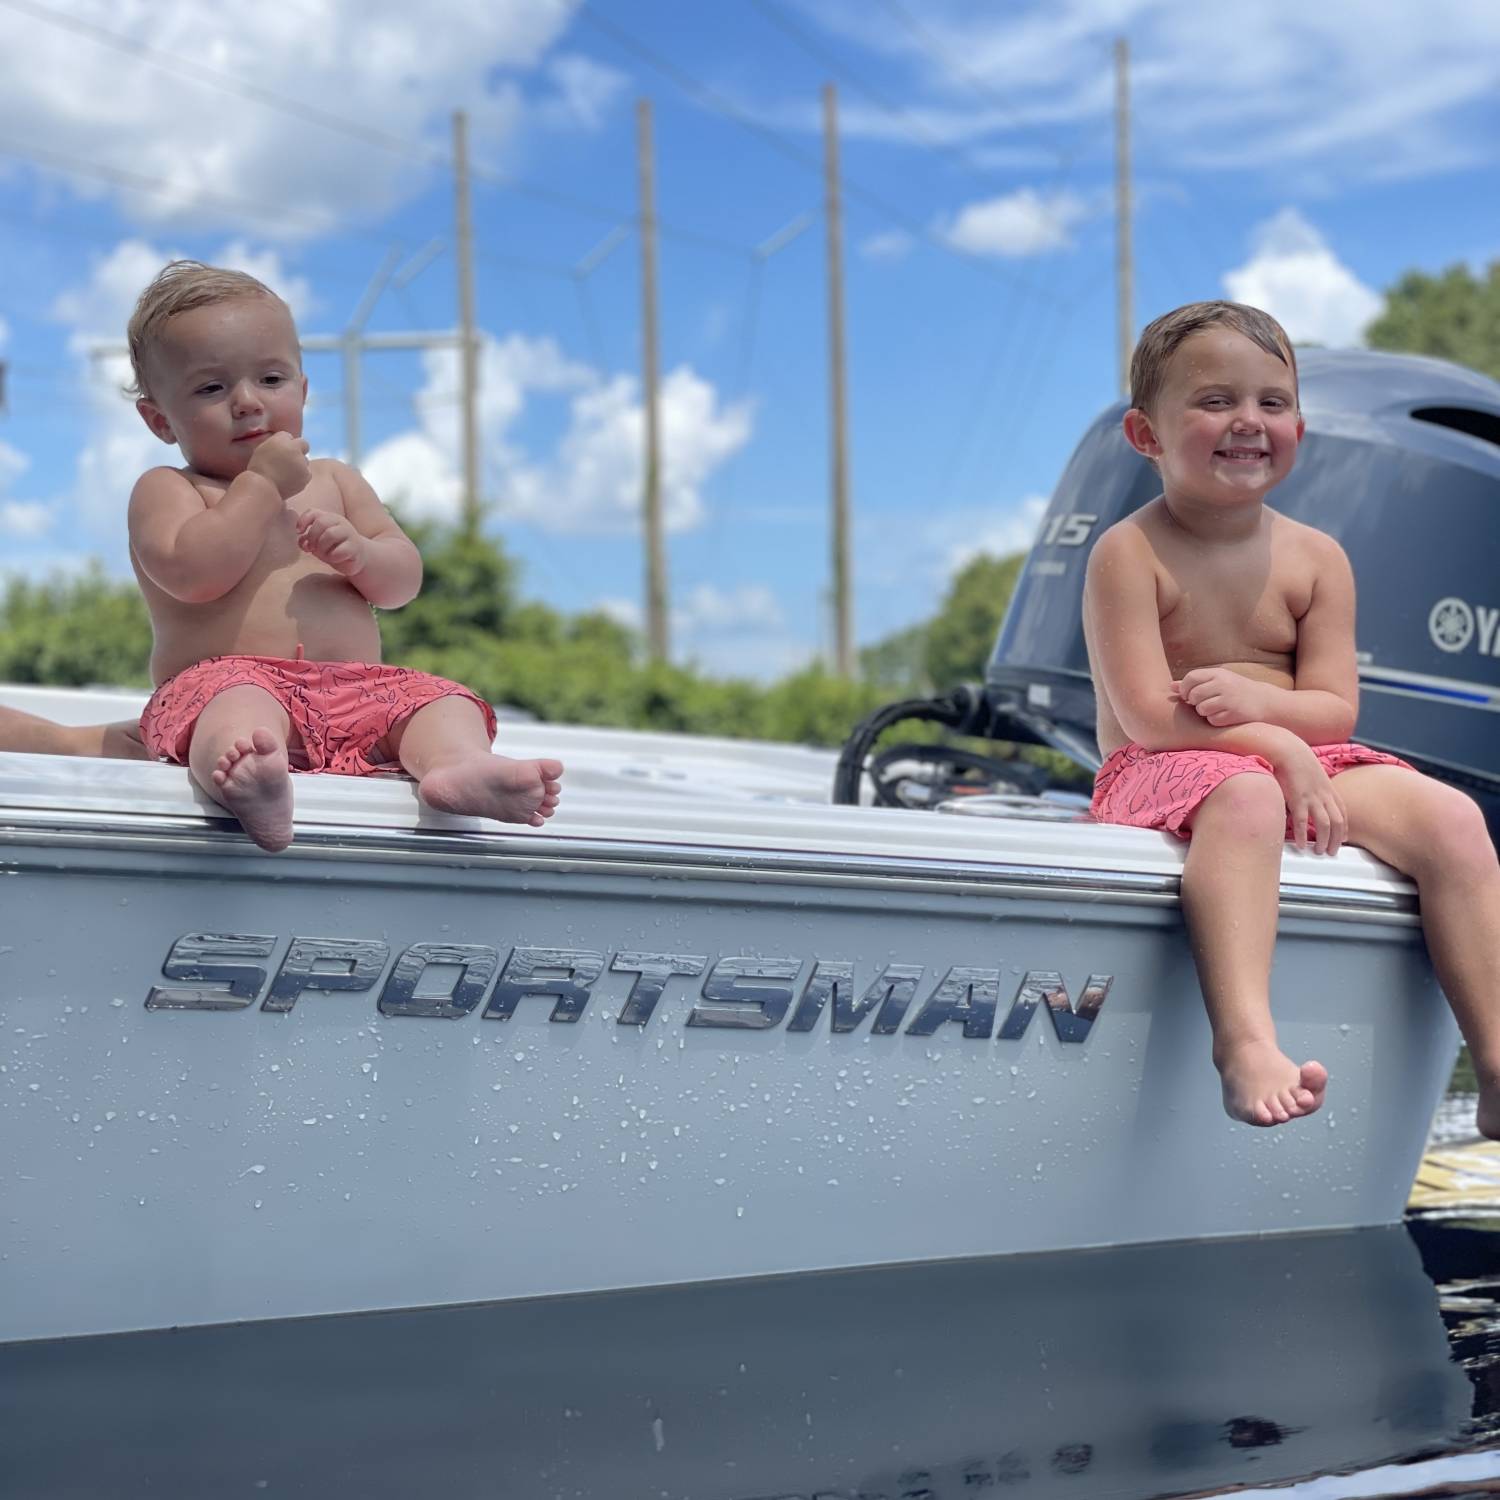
[[930, 43], [370, 135], [830, 60], [696, 88], [197, 72]]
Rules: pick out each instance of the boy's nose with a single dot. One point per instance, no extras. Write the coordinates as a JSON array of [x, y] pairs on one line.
[[245, 398]]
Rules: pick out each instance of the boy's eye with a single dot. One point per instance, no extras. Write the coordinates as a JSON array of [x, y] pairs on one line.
[[209, 390], [274, 379]]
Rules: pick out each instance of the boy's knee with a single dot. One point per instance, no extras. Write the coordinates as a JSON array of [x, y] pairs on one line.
[[1456, 836], [1247, 806]]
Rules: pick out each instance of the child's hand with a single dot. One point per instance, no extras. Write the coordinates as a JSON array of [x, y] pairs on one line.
[[332, 538], [1310, 798], [1223, 697], [283, 460]]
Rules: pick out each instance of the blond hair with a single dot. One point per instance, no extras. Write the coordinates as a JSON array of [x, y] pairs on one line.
[[1162, 337], [179, 287]]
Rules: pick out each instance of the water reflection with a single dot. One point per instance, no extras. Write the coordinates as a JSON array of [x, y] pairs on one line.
[[1135, 1372]]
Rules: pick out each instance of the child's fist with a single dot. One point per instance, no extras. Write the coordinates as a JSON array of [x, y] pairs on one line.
[[283, 460], [332, 539]]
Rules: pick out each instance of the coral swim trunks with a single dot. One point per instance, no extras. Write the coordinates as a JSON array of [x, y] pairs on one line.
[[1162, 788], [341, 710]]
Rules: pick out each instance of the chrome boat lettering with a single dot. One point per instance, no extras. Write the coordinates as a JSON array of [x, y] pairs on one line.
[[476, 968], [893, 990], [216, 985], [566, 974], [967, 995], [449, 981], [652, 971], [357, 965], [1046, 985], [732, 998]]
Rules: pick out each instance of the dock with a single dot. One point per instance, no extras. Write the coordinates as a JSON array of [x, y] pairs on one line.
[[1465, 1174]]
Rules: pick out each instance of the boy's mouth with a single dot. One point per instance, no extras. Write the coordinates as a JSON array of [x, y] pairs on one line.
[[248, 437], [1241, 455]]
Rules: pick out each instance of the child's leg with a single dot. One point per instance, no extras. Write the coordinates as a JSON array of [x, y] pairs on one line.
[[1230, 890], [238, 756], [445, 746], [1437, 836]]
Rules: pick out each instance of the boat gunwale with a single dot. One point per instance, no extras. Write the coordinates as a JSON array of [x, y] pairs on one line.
[[563, 853]]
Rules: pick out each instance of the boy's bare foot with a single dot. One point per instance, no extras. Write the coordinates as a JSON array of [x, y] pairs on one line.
[[485, 785], [251, 779], [1263, 1086]]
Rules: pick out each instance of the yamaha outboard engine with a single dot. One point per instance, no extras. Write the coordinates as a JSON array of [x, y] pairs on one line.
[[1401, 463]]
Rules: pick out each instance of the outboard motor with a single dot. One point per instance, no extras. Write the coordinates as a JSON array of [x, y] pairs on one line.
[[1401, 463]]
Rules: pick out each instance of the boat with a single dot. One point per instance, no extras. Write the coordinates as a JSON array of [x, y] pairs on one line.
[[739, 1010], [707, 1025]]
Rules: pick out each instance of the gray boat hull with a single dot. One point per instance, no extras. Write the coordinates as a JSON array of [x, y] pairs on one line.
[[289, 1127]]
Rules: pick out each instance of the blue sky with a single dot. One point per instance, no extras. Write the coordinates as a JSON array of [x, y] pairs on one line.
[[1296, 156]]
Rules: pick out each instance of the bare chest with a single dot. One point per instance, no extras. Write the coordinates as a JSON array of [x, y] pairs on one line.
[[1211, 616]]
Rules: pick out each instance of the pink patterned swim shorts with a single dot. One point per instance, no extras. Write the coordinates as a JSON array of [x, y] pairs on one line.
[[341, 710], [1163, 788]]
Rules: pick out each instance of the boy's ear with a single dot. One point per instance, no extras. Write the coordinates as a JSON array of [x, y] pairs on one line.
[[1140, 434], [156, 419]]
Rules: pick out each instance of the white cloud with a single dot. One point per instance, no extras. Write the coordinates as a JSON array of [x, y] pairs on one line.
[[1355, 89], [1025, 222], [100, 309], [733, 632], [389, 71], [960, 539], [13, 464], [414, 475], [586, 91], [911, 566], [1294, 275], [25, 518], [890, 245], [591, 482], [4, 334], [707, 609]]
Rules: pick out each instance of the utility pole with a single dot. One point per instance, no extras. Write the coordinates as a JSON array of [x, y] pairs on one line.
[[843, 613], [656, 564], [1124, 268], [353, 347], [468, 333]]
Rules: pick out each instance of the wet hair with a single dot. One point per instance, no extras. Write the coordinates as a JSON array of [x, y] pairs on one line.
[[179, 287], [1162, 338]]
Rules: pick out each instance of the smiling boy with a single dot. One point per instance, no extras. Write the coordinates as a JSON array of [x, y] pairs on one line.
[[260, 569], [1221, 640]]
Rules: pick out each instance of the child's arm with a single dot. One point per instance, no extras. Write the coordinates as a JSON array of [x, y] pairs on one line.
[[364, 544], [1321, 709], [197, 552]]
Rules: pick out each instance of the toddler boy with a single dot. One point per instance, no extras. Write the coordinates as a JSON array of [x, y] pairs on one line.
[[1221, 640], [260, 569]]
